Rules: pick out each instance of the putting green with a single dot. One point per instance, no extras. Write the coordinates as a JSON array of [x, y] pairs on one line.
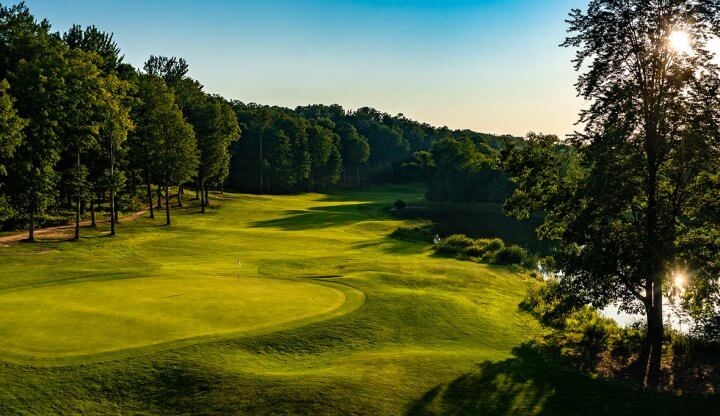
[[101, 316]]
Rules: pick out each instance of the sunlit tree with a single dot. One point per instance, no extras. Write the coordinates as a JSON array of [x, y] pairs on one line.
[[624, 209]]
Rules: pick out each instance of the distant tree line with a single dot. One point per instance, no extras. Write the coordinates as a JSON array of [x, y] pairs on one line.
[[316, 146], [82, 131]]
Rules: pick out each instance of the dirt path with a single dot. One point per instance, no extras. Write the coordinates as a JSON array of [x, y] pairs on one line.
[[60, 230]]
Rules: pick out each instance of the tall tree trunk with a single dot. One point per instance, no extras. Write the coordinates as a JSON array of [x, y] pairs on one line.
[[181, 189], [113, 213], [77, 207], [167, 205], [357, 169], [262, 163], [149, 196], [202, 195], [92, 212], [197, 188], [31, 235], [207, 194], [77, 219], [653, 289], [159, 197], [311, 178], [655, 334]]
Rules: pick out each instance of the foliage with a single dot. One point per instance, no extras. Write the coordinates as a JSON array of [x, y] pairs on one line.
[[578, 332], [460, 170], [421, 232], [485, 248], [514, 254], [11, 135], [92, 39], [11, 125], [622, 200], [455, 245]]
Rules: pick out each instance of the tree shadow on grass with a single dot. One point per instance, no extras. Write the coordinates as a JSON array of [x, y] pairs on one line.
[[319, 217], [392, 246], [530, 384]]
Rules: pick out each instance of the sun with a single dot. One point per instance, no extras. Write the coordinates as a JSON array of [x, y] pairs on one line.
[[679, 280], [679, 41]]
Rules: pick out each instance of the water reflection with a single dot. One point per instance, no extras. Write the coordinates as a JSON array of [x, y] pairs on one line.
[[675, 316]]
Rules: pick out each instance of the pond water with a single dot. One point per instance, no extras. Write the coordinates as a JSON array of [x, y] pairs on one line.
[[674, 317], [481, 220]]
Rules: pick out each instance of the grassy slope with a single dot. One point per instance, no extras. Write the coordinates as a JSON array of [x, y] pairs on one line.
[[433, 335]]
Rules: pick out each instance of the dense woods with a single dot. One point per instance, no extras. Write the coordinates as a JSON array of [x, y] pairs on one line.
[[86, 133], [313, 147]]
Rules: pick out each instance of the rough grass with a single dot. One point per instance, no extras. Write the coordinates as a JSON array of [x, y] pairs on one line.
[[422, 335]]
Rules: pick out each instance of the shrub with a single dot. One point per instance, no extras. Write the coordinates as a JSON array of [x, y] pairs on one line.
[[511, 255], [494, 244], [420, 232], [585, 336], [483, 246], [475, 251], [456, 244], [546, 301], [578, 331], [531, 261], [399, 205]]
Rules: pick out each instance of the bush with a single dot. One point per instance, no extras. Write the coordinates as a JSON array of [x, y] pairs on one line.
[[482, 246], [494, 244], [421, 232], [579, 332], [399, 205], [547, 302], [456, 244], [585, 336], [511, 255]]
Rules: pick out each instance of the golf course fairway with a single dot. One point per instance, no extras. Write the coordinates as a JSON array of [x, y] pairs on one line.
[[297, 304]]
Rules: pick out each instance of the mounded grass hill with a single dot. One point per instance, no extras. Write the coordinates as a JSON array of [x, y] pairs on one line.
[[279, 305]]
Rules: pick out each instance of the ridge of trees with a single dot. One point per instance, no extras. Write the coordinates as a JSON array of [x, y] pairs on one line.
[[312, 147], [83, 131]]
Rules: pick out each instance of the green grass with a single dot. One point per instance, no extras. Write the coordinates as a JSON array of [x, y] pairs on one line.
[[325, 315]]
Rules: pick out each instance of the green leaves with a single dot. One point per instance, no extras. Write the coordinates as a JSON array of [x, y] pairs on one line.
[[11, 125], [634, 196]]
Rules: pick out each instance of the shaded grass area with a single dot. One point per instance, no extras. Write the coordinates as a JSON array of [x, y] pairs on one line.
[[433, 336]]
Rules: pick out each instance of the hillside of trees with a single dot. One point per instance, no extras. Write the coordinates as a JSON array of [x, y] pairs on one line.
[[316, 146], [84, 132]]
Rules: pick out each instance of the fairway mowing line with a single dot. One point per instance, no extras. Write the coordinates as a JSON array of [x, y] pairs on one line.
[[354, 298]]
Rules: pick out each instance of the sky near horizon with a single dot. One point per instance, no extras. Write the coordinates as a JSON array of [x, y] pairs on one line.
[[488, 65]]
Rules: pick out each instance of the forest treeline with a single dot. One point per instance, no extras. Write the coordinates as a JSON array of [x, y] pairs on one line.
[[83, 131], [312, 147]]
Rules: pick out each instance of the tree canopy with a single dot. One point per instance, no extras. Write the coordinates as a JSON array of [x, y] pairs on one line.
[[623, 202]]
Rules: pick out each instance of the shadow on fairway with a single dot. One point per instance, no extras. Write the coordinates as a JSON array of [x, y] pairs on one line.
[[320, 217], [392, 246], [530, 384]]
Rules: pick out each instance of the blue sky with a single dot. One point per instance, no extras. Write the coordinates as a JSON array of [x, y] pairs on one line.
[[488, 65]]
